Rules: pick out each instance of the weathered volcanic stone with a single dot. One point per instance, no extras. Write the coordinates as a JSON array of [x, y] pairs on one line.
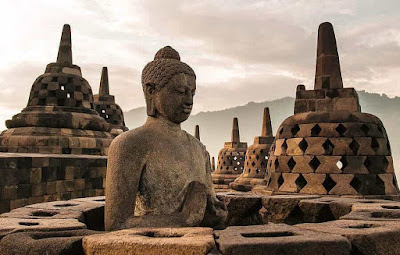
[[49, 243], [378, 211], [97, 200], [283, 208], [366, 237], [243, 208], [151, 241], [158, 175], [256, 159], [60, 117], [93, 212], [35, 213], [12, 225], [329, 147], [230, 160], [278, 239], [105, 105]]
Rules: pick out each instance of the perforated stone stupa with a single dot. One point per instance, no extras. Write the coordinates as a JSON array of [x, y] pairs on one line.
[[105, 104], [255, 165], [329, 146], [60, 117], [230, 160]]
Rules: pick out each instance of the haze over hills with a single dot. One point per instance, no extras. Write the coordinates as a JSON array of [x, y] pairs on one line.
[[215, 126]]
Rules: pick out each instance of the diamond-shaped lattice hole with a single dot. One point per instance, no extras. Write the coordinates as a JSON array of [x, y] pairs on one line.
[[303, 145], [356, 184], [365, 129], [291, 164], [316, 130], [300, 182], [281, 131], [257, 157], [341, 129], [368, 163], [385, 164], [261, 151], [328, 147], [276, 163], [295, 130], [380, 130], [342, 163], [328, 183], [374, 144], [314, 163], [284, 146], [354, 146], [253, 163], [257, 170], [395, 181], [280, 181]]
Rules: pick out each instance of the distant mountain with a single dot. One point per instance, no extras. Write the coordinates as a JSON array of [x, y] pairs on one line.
[[215, 126]]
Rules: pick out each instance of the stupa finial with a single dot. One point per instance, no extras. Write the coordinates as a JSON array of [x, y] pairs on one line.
[[327, 75], [235, 138], [266, 126], [65, 51], [197, 132], [104, 86]]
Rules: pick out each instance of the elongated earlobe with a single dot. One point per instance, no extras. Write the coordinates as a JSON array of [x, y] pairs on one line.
[[149, 94]]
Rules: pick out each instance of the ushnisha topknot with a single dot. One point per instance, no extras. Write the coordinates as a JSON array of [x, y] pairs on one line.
[[165, 65]]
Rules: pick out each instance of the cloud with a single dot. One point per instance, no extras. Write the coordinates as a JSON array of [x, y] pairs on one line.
[[241, 51]]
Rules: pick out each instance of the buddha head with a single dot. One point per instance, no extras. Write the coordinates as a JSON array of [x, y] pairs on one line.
[[169, 86]]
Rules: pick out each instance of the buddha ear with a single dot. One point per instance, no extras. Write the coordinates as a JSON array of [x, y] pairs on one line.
[[150, 89]]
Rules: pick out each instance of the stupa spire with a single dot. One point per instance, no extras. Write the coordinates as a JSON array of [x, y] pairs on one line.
[[266, 126], [65, 51], [327, 74], [197, 132], [104, 86], [235, 138]]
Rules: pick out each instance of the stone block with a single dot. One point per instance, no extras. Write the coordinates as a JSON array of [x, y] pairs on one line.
[[366, 237], [283, 208], [13, 225], [34, 213], [243, 208], [49, 243], [278, 239], [36, 175], [151, 241], [8, 192], [39, 189]]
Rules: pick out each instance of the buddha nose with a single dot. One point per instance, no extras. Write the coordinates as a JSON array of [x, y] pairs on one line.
[[189, 99]]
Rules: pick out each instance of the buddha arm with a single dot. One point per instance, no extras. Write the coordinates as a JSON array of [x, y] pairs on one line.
[[124, 168]]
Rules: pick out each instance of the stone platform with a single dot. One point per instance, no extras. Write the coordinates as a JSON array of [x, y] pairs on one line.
[[29, 178], [257, 224]]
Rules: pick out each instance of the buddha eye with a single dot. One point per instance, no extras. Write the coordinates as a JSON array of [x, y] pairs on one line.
[[181, 91]]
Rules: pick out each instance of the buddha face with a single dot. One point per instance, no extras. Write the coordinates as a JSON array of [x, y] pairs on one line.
[[174, 101]]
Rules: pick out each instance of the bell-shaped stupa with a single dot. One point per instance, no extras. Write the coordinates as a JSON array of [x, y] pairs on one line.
[[230, 160], [329, 146], [255, 165], [105, 105], [60, 117]]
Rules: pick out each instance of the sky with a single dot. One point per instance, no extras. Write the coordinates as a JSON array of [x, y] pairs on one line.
[[241, 50]]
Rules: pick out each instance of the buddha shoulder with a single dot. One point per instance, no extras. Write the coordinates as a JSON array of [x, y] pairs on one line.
[[134, 141]]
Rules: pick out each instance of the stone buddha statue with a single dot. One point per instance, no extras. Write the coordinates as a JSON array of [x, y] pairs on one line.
[[158, 175]]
